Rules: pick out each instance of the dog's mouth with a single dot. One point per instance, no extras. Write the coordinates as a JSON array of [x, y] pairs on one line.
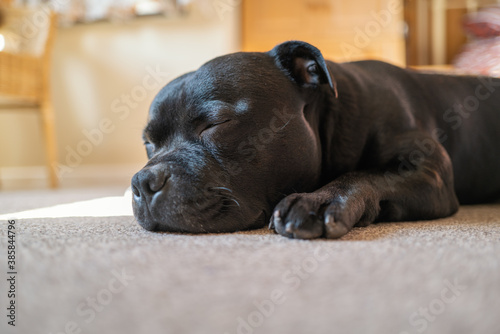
[[217, 211]]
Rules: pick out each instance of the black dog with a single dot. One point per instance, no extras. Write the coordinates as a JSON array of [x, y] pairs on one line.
[[315, 146]]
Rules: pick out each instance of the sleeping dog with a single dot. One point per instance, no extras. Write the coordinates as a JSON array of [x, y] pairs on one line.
[[314, 147]]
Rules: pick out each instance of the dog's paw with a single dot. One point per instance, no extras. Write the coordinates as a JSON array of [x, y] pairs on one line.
[[312, 215], [296, 216]]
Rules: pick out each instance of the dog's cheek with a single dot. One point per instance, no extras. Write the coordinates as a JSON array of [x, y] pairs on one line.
[[302, 160]]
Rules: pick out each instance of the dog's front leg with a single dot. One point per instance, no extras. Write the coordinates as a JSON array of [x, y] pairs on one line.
[[414, 182]]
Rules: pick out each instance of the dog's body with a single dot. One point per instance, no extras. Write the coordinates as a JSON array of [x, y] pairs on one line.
[[316, 147]]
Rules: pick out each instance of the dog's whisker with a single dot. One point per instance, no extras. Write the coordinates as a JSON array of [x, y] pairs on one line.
[[221, 188], [231, 199], [228, 197], [235, 201]]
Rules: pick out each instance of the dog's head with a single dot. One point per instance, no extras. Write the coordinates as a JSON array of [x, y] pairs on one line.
[[228, 141]]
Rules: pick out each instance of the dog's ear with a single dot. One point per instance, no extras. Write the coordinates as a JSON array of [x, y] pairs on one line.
[[303, 63]]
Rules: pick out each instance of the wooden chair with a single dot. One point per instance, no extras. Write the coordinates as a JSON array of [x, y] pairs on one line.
[[25, 85]]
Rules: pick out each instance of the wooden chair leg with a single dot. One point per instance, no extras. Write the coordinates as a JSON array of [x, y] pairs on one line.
[[47, 113]]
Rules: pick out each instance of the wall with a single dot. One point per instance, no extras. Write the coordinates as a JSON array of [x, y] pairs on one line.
[[342, 30], [102, 87]]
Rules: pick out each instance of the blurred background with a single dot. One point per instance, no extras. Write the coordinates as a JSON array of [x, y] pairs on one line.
[[75, 87]]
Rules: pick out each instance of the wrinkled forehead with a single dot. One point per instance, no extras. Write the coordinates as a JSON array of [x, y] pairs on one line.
[[231, 76], [226, 78], [237, 83]]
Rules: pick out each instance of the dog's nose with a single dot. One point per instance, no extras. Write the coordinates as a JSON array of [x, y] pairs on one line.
[[149, 181]]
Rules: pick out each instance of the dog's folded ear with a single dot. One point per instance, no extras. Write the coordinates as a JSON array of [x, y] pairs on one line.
[[303, 63]]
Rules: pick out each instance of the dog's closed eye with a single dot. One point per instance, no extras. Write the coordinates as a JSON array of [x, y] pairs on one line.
[[213, 125]]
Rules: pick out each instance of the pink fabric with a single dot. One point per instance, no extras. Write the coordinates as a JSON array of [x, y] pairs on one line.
[[481, 56], [484, 24]]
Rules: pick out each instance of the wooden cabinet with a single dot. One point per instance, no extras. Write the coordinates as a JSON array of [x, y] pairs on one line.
[[342, 30]]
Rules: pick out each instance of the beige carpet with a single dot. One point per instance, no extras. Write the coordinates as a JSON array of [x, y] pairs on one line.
[[105, 274]]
